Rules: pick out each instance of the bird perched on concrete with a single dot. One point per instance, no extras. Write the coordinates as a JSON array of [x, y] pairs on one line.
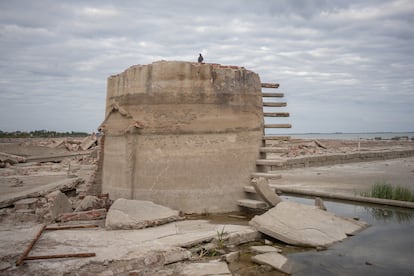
[[200, 58]]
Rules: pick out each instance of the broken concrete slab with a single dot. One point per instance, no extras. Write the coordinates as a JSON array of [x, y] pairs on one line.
[[204, 269], [136, 214], [65, 184], [26, 203], [275, 260], [116, 251], [305, 225], [265, 192], [260, 249], [11, 158], [87, 142]]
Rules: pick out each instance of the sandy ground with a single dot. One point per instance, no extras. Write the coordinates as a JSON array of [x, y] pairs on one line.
[[352, 178]]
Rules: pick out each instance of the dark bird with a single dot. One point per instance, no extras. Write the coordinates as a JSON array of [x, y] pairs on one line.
[[200, 58]]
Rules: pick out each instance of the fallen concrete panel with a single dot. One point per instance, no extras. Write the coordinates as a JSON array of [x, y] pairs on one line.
[[260, 249], [204, 269], [305, 225], [136, 214], [266, 193], [66, 184], [275, 260]]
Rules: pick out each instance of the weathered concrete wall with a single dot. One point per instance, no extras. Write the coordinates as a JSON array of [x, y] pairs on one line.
[[182, 134]]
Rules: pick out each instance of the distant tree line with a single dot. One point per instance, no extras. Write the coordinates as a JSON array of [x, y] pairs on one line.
[[41, 134]]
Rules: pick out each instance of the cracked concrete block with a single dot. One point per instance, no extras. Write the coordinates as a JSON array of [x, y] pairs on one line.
[[136, 214]]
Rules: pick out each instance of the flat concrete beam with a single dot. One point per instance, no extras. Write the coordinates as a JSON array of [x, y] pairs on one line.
[[270, 85], [277, 104], [266, 175], [251, 203], [273, 150], [276, 137], [278, 126], [273, 95], [271, 162], [276, 114], [250, 189]]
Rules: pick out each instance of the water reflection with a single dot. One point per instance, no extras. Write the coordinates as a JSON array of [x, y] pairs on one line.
[[381, 214]]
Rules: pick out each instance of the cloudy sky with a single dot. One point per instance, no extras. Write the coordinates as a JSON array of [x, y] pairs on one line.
[[344, 65]]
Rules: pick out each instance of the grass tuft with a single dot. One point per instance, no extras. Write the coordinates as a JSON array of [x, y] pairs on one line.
[[388, 191]]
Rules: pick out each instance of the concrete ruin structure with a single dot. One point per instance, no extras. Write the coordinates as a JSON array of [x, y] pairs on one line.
[[181, 134]]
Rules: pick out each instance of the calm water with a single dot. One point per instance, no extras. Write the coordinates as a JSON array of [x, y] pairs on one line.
[[350, 136], [385, 248]]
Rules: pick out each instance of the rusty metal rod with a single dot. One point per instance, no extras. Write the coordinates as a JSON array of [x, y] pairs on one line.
[[71, 227], [26, 252], [57, 256]]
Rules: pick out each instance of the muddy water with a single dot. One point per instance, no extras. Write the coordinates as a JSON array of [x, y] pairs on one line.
[[385, 248]]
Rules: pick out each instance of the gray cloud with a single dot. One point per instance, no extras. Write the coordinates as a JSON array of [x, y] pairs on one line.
[[344, 65]]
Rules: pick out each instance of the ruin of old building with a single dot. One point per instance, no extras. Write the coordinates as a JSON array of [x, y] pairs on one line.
[[185, 135]]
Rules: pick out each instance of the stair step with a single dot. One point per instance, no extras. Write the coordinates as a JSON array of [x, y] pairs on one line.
[[276, 114], [270, 162], [251, 203], [267, 175], [276, 137], [270, 85], [250, 189], [273, 149], [278, 126], [275, 104], [273, 95]]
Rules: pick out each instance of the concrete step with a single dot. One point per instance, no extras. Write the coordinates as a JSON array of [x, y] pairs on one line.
[[271, 162], [273, 95], [266, 175], [273, 150], [276, 137], [253, 204], [250, 189], [278, 126], [276, 114], [270, 85], [275, 104]]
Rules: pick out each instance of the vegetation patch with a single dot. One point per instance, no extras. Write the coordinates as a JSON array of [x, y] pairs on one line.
[[387, 191]]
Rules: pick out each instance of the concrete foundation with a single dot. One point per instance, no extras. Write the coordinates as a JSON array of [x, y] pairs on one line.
[[181, 134]]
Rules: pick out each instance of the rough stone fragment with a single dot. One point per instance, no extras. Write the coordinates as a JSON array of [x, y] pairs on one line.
[[262, 188], [275, 260], [85, 215], [136, 214], [90, 203], [319, 203], [58, 203], [232, 256], [264, 249], [305, 225]]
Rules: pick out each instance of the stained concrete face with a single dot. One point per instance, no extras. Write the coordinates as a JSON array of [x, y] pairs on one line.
[[185, 135]]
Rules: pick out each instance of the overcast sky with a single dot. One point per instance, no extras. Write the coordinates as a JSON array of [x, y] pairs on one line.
[[343, 65]]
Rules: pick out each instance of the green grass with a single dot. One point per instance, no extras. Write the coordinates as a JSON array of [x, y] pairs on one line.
[[388, 191]]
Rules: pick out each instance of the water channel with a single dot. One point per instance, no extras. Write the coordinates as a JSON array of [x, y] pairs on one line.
[[385, 248]]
